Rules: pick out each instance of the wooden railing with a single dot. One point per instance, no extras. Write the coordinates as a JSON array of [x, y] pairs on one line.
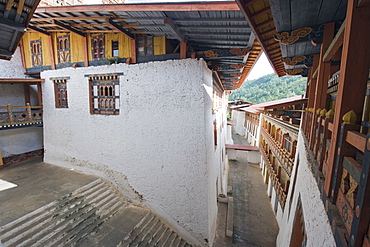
[[284, 157], [11, 116], [281, 194], [350, 189]]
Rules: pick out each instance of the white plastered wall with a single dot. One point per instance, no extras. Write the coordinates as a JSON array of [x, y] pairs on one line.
[[316, 222], [160, 146], [22, 140]]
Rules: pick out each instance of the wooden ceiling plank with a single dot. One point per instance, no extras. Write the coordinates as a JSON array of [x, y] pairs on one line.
[[261, 12], [264, 23]]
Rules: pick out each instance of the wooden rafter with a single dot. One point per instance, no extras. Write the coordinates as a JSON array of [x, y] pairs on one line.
[[117, 27], [38, 30], [66, 27], [175, 29]]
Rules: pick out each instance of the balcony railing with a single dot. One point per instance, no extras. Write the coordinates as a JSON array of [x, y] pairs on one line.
[[20, 116]]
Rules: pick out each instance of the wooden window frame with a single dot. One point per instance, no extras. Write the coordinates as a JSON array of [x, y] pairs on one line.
[[104, 94], [64, 49], [60, 91], [115, 48], [36, 52], [98, 47], [145, 46]]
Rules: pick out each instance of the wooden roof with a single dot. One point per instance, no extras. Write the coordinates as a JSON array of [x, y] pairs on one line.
[[14, 19], [291, 31], [215, 31]]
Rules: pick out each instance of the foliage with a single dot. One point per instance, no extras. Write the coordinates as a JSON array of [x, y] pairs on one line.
[[270, 87]]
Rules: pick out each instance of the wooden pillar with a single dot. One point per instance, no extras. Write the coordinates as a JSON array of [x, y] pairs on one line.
[[324, 68], [86, 57], [183, 49], [354, 71], [26, 89], [39, 93], [51, 50], [21, 47], [133, 50]]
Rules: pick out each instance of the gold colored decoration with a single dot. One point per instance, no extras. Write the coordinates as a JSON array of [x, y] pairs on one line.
[[234, 80], [352, 192], [329, 114], [210, 53], [318, 111], [293, 71], [240, 52], [221, 76], [323, 112], [209, 63], [350, 117], [237, 66], [287, 39], [293, 61], [236, 74]]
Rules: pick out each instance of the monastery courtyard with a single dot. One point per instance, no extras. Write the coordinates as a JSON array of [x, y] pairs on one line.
[[39, 184]]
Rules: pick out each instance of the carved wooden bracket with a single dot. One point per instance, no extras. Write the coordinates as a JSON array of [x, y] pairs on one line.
[[286, 39]]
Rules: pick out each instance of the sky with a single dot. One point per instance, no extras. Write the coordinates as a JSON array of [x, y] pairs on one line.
[[261, 68]]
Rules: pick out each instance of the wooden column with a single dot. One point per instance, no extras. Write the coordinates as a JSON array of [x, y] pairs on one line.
[[354, 71], [26, 89], [324, 68], [133, 50], [51, 50], [39, 93], [183, 49], [21, 47], [86, 57]]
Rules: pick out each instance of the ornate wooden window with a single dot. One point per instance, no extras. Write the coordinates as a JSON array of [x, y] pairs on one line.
[[115, 50], [36, 52], [104, 94], [63, 49], [60, 91], [97, 46], [144, 45]]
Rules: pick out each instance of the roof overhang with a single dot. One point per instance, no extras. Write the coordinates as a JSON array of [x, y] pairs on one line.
[[215, 31]]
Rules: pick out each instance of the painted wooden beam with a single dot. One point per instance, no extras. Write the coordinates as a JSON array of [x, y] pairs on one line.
[[133, 51], [12, 25], [201, 6], [261, 12], [51, 50], [68, 28], [117, 27], [27, 96], [175, 30], [85, 47]]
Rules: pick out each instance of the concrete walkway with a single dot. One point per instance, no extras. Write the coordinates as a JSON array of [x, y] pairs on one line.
[[254, 220]]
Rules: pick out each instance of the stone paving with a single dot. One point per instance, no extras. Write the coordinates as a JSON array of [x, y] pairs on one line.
[[254, 220]]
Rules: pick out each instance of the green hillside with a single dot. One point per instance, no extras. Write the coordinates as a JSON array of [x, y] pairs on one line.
[[270, 87]]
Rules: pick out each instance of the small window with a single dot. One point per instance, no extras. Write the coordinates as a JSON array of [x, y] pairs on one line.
[[97, 46], [144, 45], [60, 92], [104, 94], [36, 52], [63, 49], [115, 51]]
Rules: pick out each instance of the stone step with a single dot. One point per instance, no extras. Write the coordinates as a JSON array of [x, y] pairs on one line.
[[28, 219], [61, 213], [66, 220]]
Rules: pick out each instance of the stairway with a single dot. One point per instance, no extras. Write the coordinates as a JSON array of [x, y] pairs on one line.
[[81, 217]]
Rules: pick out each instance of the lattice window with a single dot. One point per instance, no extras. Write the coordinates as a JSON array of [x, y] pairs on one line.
[[36, 52], [97, 46], [104, 94], [60, 91], [63, 49], [144, 45]]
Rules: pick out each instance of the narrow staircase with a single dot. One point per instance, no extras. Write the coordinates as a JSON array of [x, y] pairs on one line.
[[93, 215]]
